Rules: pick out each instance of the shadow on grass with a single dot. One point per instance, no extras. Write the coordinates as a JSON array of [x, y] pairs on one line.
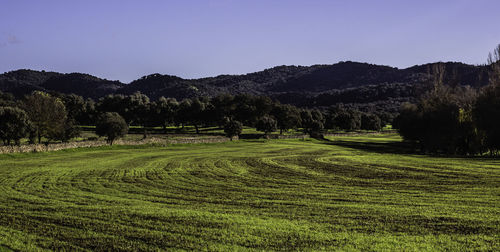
[[395, 147], [378, 147]]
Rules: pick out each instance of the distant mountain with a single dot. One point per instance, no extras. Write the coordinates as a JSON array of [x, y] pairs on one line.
[[23, 82], [317, 85]]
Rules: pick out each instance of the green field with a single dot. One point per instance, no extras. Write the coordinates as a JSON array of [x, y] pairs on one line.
[[348, 193]]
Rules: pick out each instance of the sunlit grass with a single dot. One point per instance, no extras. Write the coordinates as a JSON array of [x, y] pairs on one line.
[[350, 193]]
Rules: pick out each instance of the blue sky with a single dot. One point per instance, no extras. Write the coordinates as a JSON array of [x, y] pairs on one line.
[[124, 40]]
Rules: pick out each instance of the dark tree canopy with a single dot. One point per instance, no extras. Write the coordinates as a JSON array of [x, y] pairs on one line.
[[370, 122], [266, 124], [487, 115], [47, 114], [287, 116], [112, 126], [441, 122], [14, 124], [232, 129]]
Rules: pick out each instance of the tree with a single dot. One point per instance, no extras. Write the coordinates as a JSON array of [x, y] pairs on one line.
[[112, 126], [232, 129], [441, 122], [196, 113], [339, 117], [267, 125], [47, 114], [224, 108], [166, 109], [138, 110], [409, 122], [370, 122], [76, 107], [71, 130], [7, 99], [486, 112], [312, 123], [349, 119], [115, 103], [14, 124], [487, 115], [287, 116]]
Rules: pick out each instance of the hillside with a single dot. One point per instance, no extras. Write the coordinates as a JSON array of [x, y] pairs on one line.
[[317, 85]]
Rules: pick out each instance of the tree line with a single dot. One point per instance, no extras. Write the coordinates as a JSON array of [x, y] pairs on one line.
[[455, 120], [57, 117]]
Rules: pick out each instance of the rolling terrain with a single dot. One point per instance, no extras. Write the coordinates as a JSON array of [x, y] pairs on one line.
[[352, 193], [316, 85]]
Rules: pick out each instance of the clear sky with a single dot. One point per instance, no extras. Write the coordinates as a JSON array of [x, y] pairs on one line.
[[124, 39]]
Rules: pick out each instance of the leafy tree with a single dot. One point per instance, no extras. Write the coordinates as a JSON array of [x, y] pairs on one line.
[[166, 109], [312, 123], [245, 109], [232, 129], [76, 107], [409, 122], [287, 116], [112, 126], [115, 103], [71, 130], [224, 108], [7, 99], [441, 122], [263, 105], [267, 125], [339, 117], [487, 115], [183, 116], [14, 124], [138, 110], [196, 114], [47, 114], [370, 122]]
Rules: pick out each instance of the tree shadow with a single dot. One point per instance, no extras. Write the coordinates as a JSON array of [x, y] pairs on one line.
[[378, 147], [401, 147]]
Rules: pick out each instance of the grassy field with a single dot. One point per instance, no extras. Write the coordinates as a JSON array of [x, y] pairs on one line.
[[348, 193]]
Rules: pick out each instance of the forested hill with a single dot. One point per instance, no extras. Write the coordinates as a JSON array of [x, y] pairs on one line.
[[322, 85]]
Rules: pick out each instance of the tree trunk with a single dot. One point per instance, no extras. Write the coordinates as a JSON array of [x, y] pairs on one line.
[[197, 130], [145, 133], [281, 131]]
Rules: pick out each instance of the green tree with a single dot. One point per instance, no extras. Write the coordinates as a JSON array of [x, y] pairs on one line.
[[287, 116], [312, 123], [14, 124], [112, 126], [47, 114], [487, 115], [370, 122], [267, 125], [232, 129], [166, 111], [7, 99]]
